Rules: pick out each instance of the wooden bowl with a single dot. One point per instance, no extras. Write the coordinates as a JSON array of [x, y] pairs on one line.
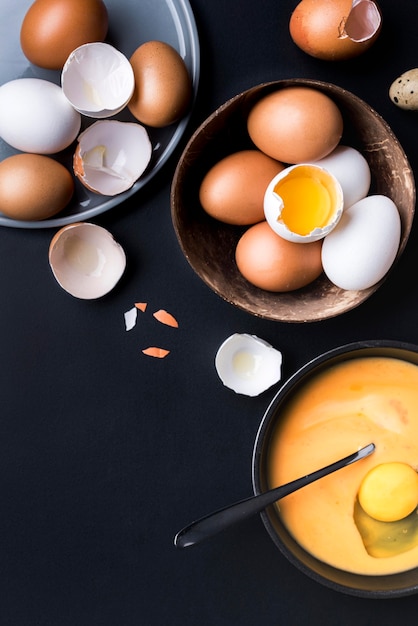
[[209, 245]]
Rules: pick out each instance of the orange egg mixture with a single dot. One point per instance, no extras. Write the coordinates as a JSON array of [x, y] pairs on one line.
[[363, 400]]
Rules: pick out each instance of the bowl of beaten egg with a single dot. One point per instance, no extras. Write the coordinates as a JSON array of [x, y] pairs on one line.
[[230, 220], [356, 530]]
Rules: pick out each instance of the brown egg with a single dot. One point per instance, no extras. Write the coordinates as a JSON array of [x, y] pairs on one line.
[[233, 189], [335, 30], [33, 187], [275, 264], [163, 87], [295, 124], [52, 29]]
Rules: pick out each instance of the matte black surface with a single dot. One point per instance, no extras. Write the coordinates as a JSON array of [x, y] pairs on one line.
[[104, 452]]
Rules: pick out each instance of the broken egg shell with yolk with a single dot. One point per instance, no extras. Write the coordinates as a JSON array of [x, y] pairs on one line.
[[86, 260], [247, 364], [111, 155], [97, 80], [303, 203]]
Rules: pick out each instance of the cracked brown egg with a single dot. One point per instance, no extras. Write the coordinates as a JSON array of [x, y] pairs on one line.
[[335, 30]]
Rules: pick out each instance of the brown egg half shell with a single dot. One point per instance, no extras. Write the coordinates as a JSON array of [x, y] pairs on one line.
[[86, 260]]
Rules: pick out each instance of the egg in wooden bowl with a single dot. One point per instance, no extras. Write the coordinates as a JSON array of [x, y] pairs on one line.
[[218, 194]]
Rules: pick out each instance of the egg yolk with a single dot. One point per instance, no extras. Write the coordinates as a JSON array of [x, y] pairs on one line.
[[308, 202], [389, 492]]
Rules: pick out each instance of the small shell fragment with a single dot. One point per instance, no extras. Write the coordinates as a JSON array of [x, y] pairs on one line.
[[98, 80], [158, 353], [130, 318], [111, 155], [166, 318], [404, 90], [86, 260], [247, 364]]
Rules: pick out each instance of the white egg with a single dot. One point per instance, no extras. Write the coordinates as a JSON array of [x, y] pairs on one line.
[[364, 244], [351, 170], [36, 117], [247, 364], [303, 203], [98, 80]]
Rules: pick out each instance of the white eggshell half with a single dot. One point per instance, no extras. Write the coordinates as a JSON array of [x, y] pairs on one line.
[[36, 117], [86, 260], [274, 205], [111, 155], [351, 170], [364, 244], [98, 80], [247, 364]]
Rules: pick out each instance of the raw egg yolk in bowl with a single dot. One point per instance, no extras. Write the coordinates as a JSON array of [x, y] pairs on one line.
[[362, 519]]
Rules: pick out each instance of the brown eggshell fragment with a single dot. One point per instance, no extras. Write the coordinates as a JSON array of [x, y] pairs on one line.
[[335, 30], [52, 29], [33, 187], [272, 263], [233, 189], [158, 353], [295, 125], [166, 318], [163, 87]]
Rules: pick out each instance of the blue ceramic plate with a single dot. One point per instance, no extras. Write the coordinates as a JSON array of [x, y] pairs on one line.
[[131, 23]]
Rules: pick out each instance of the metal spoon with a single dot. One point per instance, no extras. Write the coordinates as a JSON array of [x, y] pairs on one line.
[[213, 523]]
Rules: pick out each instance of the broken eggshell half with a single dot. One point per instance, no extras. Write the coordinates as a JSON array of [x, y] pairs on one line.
[[303, 203], [86, 260], [98, 80], [111, 155], [247, 364]]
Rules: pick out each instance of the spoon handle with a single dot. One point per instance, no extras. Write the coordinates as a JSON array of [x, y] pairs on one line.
[[223, 518]]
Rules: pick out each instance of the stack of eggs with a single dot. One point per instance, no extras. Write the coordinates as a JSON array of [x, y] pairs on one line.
[[303, 197], [39, 118]]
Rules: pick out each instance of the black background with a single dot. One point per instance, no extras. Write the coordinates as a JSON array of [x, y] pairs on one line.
[[105, 454]]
